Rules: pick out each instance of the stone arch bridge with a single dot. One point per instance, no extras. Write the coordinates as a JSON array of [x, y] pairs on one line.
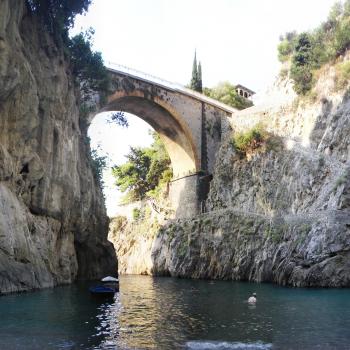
[[190, 124]]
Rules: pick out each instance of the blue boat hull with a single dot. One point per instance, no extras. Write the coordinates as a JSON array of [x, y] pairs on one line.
[[103, 290]]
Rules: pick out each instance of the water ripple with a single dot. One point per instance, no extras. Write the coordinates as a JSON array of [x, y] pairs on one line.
[[206, 345]]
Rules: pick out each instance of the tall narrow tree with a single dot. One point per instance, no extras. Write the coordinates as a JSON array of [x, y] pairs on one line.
[[200, 85], [194, 79]]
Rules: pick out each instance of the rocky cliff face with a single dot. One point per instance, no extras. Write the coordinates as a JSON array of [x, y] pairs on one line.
[[53, 224], [280, 215], [134, 235], [133, 241]]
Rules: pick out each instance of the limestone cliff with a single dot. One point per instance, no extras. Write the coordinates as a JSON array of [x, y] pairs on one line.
[[53, 224], [134, 235], [280, 215]]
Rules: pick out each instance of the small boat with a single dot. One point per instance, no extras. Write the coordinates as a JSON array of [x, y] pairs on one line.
[[103, 290], [109, 287], [110, 279]]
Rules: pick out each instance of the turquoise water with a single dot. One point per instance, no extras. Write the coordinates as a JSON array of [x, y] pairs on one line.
[[167, 313]]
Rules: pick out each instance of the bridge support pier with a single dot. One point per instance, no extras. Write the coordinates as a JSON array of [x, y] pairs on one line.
[[188, 194]]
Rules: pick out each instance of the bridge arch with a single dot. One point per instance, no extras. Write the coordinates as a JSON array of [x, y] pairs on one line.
[[177, 139], [190, 124]]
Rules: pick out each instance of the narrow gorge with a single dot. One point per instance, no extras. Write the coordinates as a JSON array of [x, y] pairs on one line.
[[279, 212]]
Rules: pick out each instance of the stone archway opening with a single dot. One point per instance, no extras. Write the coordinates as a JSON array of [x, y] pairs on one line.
[[108, 139], [177, 140]]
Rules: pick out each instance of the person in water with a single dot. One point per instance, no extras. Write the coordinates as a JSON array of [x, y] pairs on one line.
[[252, 299]]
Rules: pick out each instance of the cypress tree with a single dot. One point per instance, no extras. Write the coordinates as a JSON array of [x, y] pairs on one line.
[[194, 80], [200, 85]]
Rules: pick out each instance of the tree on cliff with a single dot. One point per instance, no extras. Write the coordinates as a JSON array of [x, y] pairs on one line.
[[58, 15], [225, 92], [308, 52], [196, 80], [145, 169], [301, 66], [89, 71], [87, 66]]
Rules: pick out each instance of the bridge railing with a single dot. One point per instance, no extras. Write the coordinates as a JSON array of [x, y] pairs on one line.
[[139, 74], [169, 85]]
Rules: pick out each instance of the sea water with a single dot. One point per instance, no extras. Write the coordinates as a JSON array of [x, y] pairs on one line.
[[169, 313]]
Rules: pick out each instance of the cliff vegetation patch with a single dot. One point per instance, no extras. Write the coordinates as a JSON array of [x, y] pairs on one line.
[[256, 139], [225, 92], [309, 51]]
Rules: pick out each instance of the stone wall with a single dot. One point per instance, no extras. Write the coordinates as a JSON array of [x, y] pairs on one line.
[[183, 194]]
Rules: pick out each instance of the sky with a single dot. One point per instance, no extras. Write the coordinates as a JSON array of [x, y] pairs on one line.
[[235, 40]]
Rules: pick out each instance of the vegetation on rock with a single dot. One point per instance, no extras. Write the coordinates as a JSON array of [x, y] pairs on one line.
[[342, 74], [146, 170], [87, 66], [90, 75], [308, 52], [302, 64], [58, 15], [226, 93], [255, 139], [99, 163]]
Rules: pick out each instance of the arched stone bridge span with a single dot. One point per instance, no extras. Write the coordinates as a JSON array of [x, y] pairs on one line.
[[190, 125]]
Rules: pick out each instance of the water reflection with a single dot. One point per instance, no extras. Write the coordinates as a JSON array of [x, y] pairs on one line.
[[165, 313], [169, 314]]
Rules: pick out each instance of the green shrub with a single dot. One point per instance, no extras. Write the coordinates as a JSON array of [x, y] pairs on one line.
[[249, 140], [302, 77], [58, 15], [341, 180], [275, 232], [342, 37], [136, 214], [159, 190], [255, 139], [301, 66], [286, 46], [310, 51], [225, 92], [98, 164], [87, 66], [342, 74], [284, 50], [283, 74]]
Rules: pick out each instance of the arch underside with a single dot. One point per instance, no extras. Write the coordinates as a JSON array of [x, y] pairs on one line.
[[179, 145]]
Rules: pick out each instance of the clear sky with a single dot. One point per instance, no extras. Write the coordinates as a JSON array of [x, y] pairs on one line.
[[236, 40]]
